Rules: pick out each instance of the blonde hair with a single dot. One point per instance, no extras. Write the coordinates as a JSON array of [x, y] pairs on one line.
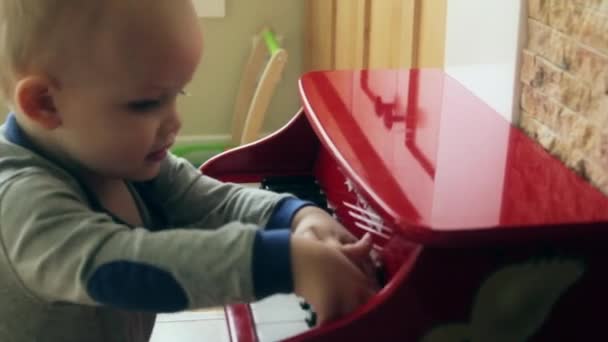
[[31, 35]]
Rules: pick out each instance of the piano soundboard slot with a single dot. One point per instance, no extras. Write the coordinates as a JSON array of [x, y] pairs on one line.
[[368, 217], [377, 248], [372, 215], [380, 229], [372, 231]]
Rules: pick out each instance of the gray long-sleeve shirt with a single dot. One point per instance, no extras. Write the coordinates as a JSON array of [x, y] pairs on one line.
[[70, 271]]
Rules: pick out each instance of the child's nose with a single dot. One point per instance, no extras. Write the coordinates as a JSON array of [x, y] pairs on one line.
[[172, 123]]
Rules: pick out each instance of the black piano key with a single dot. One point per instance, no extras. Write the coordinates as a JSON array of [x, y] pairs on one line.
[[311, 320], [277, 180], [303, 187], [309, 192], [304, 305], [316, 198], [320, 201], [381, 276]]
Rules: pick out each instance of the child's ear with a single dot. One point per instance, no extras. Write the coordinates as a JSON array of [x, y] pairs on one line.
[[33, 96]]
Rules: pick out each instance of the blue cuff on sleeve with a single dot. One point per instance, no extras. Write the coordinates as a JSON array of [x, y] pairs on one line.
[[284, 212], [272, 263]]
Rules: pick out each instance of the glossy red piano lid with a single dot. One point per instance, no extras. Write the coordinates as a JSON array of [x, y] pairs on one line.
[[435, 158]]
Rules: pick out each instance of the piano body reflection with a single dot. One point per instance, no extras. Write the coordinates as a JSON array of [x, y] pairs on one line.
[[483, 236]]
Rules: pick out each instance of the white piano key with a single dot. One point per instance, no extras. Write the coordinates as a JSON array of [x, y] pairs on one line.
[[209, 314], [278, 308], [273, 332], [191, 331], [251, 185]]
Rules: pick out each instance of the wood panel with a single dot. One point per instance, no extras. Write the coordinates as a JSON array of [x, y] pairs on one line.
[[391, 29], [353, 34], [350, 37], [432, 33], [320, 34]]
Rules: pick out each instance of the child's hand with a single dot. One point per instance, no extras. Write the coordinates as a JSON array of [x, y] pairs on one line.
[[327, 279], [316, 224]]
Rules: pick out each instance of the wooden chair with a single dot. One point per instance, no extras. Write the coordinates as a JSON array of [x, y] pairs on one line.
[[261, 76]]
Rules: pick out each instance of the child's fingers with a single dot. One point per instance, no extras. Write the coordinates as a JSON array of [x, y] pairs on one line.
[[345, 236], [360, 254], [310, 234], [357, 293], [359, 249]]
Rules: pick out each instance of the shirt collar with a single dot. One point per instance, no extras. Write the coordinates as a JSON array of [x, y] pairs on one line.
[[16, 135]]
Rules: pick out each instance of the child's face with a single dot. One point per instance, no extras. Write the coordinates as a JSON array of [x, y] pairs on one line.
[[118, 108]]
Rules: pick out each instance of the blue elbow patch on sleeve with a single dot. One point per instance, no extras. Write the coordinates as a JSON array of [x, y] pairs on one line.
[[285, 211], [136, 286], [272, 263]]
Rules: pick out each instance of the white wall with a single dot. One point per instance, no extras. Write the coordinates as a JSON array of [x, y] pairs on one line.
[[483, 47], [228, 40], [483, 39]]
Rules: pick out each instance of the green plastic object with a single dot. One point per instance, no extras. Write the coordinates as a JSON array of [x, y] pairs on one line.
[[271, 41], [198, 153]]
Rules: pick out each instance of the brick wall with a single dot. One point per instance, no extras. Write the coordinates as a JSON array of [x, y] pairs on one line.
[[565, 83]]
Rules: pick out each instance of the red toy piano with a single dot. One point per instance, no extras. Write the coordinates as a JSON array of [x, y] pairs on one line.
[[483, 236]]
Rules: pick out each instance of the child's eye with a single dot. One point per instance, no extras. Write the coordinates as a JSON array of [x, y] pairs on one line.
[[150, 105], [144, 105]]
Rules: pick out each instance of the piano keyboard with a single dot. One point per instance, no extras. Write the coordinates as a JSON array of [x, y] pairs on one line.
[[281, 316], [304, 187]]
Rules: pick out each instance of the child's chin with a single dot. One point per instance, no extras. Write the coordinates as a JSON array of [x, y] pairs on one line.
[[145, 174]]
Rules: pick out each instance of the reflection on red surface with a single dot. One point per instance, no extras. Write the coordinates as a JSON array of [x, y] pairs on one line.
[[391, 113], [462, 166]]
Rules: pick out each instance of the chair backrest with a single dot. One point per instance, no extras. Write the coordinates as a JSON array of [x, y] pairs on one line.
[[267, 61]]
